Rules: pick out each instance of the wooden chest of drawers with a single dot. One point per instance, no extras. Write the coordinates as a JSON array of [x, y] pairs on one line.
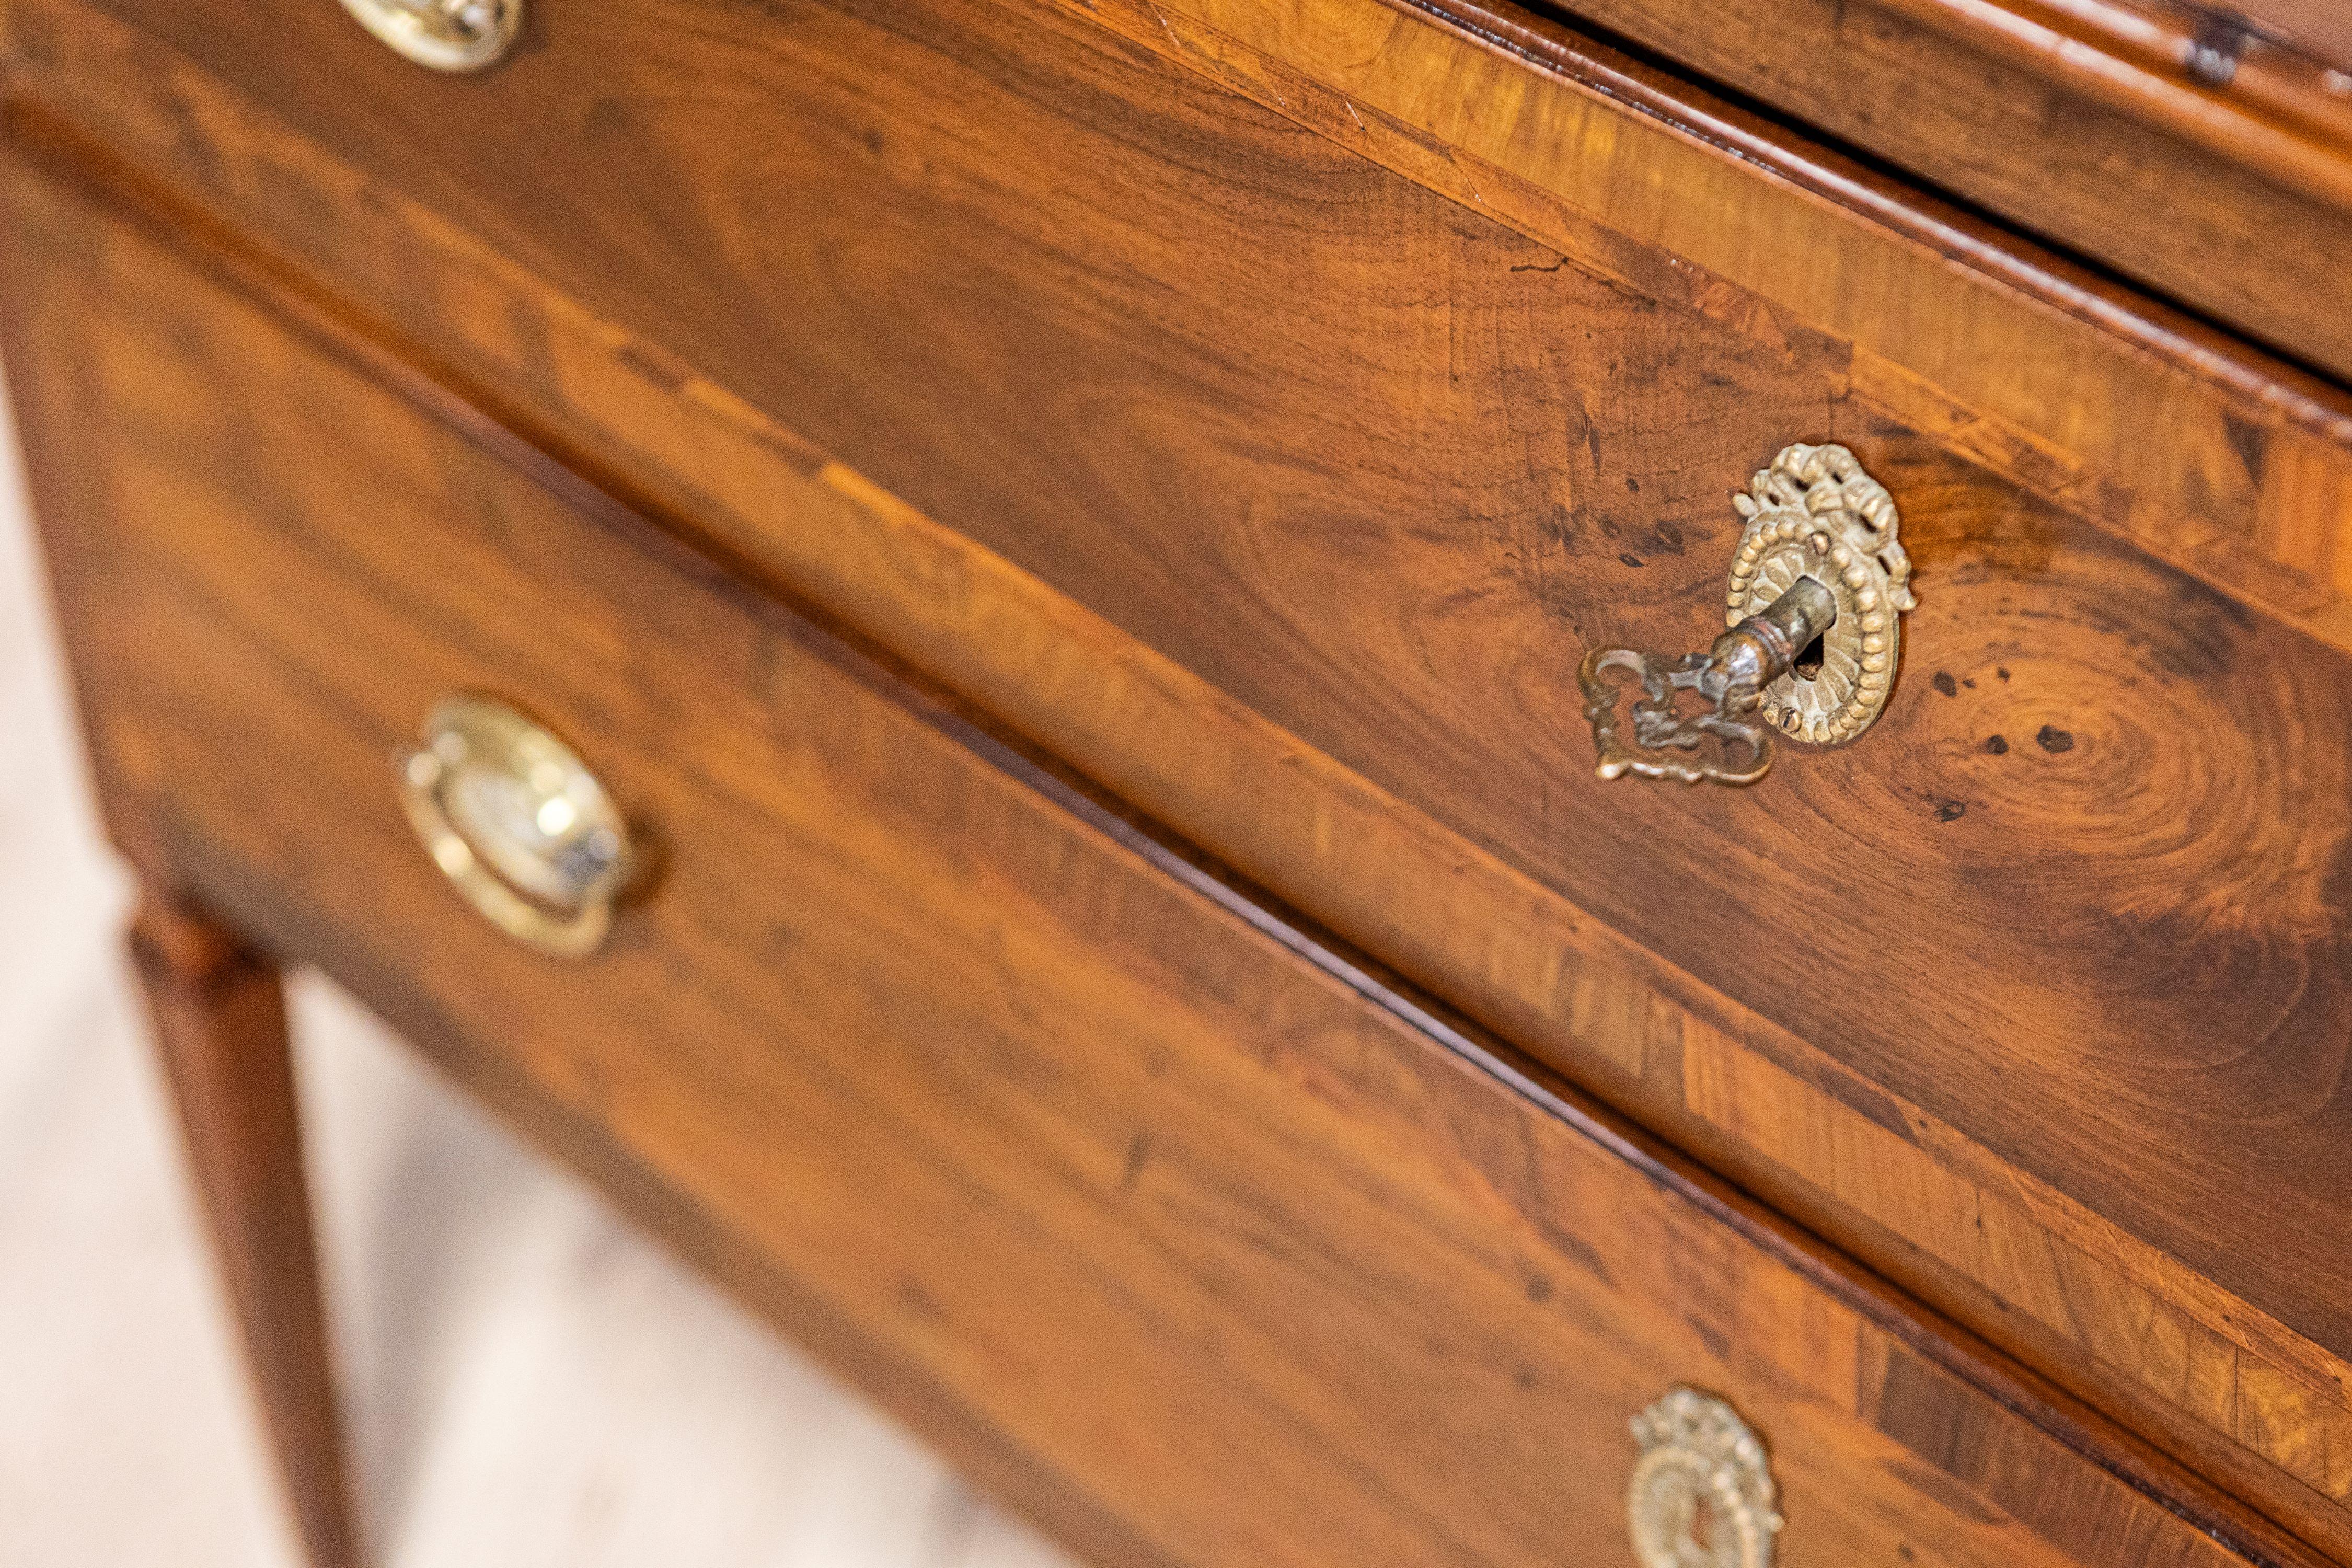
[[991, 592]]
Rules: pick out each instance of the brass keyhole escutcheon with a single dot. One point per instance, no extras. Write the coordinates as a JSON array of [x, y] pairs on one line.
[[1816, 514], [1814, 601], [1702, 1494]]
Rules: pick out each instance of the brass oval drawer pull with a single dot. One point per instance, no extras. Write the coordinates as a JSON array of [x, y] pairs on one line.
[[1816, 595], [445, 35], [1702, 1494], [518, 824]]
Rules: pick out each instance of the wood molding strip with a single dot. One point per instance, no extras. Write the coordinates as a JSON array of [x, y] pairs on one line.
[[2276, 112]]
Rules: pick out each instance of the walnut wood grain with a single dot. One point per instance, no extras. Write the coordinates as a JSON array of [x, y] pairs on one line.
[[1927, 1189], [2174, 142], [1241, 1256], [2260, 86], [2102, 126], [219, 1020], [2316, 27], [1921, 306], [2108, 405]]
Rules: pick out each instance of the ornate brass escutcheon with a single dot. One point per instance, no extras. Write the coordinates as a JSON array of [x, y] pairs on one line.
[[445, 35], [1702, 1494], [1815, 599]]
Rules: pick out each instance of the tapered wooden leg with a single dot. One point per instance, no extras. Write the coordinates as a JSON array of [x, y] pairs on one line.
[[220, 1025]]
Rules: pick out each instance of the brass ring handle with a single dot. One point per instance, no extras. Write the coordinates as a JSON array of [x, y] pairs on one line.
[[1817, 591], [1702, 1494], [522, 828], [443, 35]]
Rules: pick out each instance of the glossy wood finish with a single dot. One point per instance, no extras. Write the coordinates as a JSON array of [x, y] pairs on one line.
[[2098, 124], [2092, 398], [2313, 27], [1403, 760], [1215, 1247], [2087, 396], [2271, 103], [219, 1020]]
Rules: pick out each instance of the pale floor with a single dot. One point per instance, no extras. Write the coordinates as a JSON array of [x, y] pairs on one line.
[[527, 1380]]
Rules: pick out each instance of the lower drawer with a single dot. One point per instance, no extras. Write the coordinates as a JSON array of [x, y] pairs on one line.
[[1170, 1223]]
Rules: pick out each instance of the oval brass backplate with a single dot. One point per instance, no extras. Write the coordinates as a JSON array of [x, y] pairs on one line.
[[443, 35], [518, 824]]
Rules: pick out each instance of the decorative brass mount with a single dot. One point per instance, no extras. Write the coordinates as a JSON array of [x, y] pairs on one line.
[[1702, 1494], [1816, 594], [445, 35], [520, 826]]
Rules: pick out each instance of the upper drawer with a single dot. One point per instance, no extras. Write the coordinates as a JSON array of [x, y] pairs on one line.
[[1264, 406], [2205, 150], [1214, 1249]]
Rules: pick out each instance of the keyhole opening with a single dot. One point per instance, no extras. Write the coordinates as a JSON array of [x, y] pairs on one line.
[[1702, 1531], [1808, 664]]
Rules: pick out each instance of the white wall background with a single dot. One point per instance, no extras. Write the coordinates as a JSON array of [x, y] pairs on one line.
[[527, 1381]]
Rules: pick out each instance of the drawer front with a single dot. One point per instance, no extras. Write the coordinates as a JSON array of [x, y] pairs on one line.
[[1189, 1233], [1282, 437]]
